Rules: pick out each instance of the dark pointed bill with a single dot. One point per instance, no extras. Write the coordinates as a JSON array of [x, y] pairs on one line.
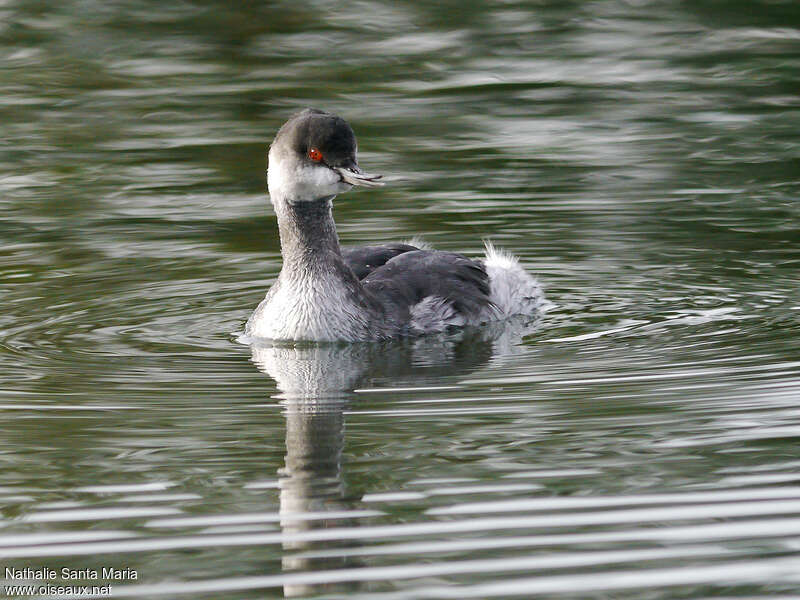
[[355, 176]]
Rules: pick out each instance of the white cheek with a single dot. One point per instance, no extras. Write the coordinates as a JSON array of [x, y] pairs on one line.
[[300, 182], [319, 182], [318, 178]]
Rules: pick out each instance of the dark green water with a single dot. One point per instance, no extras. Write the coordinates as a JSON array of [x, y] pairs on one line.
[[643, 159]]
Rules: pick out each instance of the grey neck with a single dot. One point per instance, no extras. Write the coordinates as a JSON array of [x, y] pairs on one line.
[[308, 233], [313, 267]]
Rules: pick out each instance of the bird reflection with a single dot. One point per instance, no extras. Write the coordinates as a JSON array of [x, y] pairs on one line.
[[316, 382], [311, 486]]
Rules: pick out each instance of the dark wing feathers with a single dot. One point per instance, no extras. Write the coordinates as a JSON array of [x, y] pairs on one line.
[[365, 259], [407, 278]]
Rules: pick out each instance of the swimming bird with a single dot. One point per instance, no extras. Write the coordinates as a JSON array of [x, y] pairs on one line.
[[328, 293]]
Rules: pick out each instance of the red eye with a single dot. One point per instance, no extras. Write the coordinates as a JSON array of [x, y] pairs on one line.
[[315, 155]]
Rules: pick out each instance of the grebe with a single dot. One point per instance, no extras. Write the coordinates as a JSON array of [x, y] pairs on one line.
[[328, 293]]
